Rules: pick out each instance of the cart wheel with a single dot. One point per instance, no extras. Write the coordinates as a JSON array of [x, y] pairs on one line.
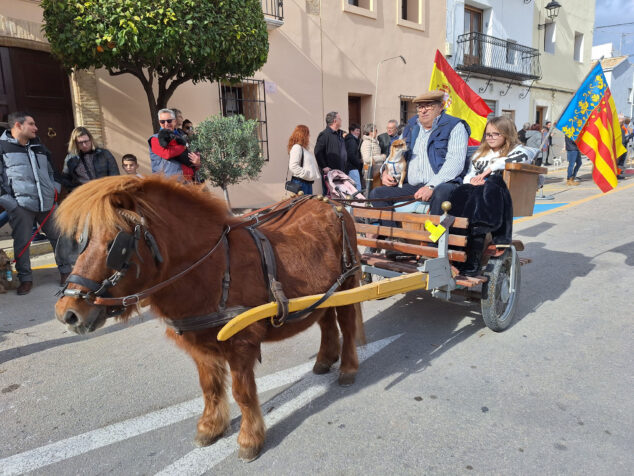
[[498, 301]]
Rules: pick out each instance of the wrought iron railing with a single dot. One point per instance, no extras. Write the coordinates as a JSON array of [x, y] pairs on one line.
[[487, 55], [273, 9]]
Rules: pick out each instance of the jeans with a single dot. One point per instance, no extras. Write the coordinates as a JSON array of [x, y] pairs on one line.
[[574, 163], [4, 218], [356, 177], [22, 221], [305, 187]]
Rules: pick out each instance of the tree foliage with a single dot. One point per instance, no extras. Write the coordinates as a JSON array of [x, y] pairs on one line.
[[164, 43], [229, 149]]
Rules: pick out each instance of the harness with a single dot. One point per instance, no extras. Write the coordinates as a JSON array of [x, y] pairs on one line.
[[125, 245]]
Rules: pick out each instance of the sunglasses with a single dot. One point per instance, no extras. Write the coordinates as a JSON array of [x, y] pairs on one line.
[[163, 121]]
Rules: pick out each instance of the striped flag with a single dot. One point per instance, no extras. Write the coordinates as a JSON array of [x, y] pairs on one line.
[[460, 100], [592, 122]]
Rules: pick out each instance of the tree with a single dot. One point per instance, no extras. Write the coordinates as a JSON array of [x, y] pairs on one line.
[[230, 151], [163, 43]]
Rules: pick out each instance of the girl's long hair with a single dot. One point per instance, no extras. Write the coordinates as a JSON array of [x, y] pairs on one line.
[[78, 132], [506, 127], [299, 136]]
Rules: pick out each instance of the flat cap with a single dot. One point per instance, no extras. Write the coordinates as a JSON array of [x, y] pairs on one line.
[[430, 96]]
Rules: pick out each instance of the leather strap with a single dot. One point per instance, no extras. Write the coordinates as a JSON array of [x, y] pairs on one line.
[[206, 321]]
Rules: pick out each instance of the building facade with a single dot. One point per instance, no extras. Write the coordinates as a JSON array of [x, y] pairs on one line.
[[323, 55]]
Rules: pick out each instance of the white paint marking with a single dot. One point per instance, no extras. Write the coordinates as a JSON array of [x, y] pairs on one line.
[[92, 440], [202, 460]]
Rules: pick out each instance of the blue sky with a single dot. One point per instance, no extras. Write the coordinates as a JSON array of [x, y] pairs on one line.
[[611, 12]]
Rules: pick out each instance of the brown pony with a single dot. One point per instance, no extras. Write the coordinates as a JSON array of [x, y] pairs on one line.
[[186, 222]]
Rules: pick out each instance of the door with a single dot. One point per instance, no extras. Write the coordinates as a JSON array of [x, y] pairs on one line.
[[473, 25], [38, 85], [354, 110], [540, 114]]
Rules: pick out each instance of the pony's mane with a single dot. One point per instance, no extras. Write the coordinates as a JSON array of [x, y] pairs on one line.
[[99, 201]]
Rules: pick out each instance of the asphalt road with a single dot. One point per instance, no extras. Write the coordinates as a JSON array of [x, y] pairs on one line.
[[437, 392]]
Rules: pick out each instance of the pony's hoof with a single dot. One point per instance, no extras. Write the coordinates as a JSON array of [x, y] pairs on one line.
[[345, 380], [321, 368], [248, 454], [205, 439]]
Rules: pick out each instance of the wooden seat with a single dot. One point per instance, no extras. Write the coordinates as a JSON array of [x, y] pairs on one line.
[[522, 180]]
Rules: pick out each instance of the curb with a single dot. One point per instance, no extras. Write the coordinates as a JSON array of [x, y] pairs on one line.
[[36, 249]]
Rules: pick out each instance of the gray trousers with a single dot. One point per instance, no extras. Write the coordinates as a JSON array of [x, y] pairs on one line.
[[22, 221]]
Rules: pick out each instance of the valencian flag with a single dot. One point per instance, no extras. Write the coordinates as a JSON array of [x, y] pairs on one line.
[[592, 122], [460, 100]]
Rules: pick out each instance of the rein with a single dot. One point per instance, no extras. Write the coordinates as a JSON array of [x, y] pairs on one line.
[[127, 244]]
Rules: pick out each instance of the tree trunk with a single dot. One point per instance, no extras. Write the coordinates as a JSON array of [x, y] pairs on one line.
[[226, 193]]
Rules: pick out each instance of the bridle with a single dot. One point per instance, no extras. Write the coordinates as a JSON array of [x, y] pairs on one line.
[[120, 253]]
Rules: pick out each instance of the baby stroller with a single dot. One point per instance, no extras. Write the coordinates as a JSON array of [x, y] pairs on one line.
[[339, 185]]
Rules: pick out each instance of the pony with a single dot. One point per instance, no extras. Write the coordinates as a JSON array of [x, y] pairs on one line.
[[185, 221]]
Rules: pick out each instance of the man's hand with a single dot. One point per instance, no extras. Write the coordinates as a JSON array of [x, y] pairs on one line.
[[387, 179], [325, 170], [424, 194], [195, 158]]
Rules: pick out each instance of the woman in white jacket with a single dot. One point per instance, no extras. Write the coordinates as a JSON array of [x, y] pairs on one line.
[[484, 198], [302, 162]]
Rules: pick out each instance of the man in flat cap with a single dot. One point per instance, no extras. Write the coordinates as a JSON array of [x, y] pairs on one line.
[[436, 156]]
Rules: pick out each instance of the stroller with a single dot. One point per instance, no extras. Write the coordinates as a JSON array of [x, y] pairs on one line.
[[339, 185]]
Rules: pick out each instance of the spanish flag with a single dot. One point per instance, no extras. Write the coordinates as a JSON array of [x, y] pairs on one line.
[[592, 122], [461, 101]]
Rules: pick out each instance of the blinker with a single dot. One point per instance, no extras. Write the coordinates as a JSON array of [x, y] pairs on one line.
[[120, 251]]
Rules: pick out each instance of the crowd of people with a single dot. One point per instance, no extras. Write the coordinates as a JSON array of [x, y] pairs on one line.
[[30, 184], [439, 168]]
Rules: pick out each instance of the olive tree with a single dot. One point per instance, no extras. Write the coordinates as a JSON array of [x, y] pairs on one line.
[[230, 151], [162, 43]]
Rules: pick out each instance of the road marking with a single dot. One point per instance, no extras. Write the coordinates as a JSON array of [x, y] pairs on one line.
[[202, 460], [76, 445], [573, 204]]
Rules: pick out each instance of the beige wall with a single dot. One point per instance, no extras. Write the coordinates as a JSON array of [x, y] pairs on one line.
[[562, 75], [316, 60]]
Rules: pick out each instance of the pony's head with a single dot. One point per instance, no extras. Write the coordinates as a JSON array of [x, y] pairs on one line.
[[121, 228]]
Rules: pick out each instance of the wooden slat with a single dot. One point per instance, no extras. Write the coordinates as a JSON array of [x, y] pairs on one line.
[[418, 250], [411, 234], [524, 261], [470, 281], [406, 217], [380, 261]]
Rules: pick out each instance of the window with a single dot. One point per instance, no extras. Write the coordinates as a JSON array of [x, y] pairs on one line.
[[366, 8], [247, 98], [578, 53], [510, 113], [510, 51], [549, 38], [410, 13], [629, 96], [407, 109], [492, 105]]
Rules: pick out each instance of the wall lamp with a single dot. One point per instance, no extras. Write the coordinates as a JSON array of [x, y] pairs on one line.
[[552, 12]]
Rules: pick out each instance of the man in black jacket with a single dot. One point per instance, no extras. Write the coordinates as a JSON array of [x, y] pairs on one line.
[[330, 149]]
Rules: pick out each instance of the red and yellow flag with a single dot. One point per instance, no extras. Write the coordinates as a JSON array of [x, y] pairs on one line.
[[461, 101], [592, 122]]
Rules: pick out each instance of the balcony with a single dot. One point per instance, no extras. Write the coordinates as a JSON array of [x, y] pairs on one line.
[[493, 57], [273, 13]]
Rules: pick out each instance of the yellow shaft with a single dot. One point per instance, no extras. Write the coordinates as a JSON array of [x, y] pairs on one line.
[[381, 289]]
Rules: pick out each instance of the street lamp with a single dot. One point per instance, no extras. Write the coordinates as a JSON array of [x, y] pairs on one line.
[[368, 178], [552, 12]]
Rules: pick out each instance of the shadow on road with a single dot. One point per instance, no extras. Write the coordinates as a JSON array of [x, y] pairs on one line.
[[429, 328], [23, 351]]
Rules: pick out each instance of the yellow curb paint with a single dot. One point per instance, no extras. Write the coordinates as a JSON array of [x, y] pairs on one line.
[[45, 266], [575, 203]]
